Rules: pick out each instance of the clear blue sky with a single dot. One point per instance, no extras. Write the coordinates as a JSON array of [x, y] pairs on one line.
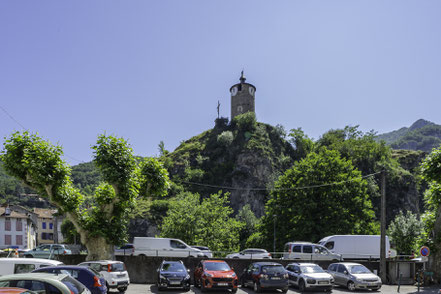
[[154, 70]]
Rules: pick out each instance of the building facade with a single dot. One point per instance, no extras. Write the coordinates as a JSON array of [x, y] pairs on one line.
[[17, 228], [49, 226]]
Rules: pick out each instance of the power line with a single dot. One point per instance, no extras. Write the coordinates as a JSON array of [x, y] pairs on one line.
[[26, 129], [278, 189]]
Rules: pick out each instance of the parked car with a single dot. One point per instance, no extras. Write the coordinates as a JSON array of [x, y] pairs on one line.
[[215, 274], [308, 251], [356, 246], [127, 249], [15, 290], [251, 253], [150, 246], [44, 283], [48, 251], [9, 266], [87, 276], [205, 250], [354, 276], [114, 272], [307, 276], [173, 274], [265, 276]]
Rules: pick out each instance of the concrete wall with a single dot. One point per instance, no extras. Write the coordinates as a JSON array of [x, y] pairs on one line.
[[142, 269]]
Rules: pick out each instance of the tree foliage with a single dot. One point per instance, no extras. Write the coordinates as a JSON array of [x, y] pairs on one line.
[[246, 216], [101, 220], [207, 222], [320, 195], [431, 171], [404, 232]]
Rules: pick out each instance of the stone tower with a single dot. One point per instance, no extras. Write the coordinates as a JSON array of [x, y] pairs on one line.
[[242, 97]]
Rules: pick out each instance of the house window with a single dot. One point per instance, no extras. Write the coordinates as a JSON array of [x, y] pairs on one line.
[[50, 236], [43, 236], [19, 225], [43, 225], [8, 240], [19, 240], [7, 225], [51, 226]]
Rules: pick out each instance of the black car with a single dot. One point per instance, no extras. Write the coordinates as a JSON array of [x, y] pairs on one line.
[[173, 274], [265, 276]]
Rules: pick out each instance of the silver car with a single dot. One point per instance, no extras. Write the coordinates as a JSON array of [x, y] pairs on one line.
[[354, 276], [309, 276]]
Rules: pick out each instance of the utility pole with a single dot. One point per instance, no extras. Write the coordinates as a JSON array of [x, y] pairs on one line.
[[383, 228], [274, 240]]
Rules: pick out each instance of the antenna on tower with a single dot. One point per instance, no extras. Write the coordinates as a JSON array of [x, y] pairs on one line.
[[218, 107]]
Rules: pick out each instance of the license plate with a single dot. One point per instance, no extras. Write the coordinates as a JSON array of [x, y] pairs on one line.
[[322, 282], [372, 284], [222, 284], [121, 276], [175, 282], [275, 278]]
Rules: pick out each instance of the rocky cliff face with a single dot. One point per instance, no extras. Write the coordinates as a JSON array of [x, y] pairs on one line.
[[242, 159]]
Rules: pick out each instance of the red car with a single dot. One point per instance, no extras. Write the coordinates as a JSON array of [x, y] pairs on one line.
[[216, 275]]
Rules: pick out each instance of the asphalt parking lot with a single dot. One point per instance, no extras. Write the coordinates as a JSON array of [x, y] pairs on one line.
[[149, 288]]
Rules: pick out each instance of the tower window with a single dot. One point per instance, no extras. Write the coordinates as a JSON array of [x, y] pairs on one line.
[[240, 109], [239, 87]]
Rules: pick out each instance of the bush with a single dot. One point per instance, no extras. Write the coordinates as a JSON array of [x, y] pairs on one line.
[[225, 138], [246, 121]]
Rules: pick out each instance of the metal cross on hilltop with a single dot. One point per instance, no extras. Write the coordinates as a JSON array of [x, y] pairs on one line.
[[218, 107]]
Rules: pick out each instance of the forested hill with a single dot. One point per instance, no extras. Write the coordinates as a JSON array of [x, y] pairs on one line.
[[422, 135]]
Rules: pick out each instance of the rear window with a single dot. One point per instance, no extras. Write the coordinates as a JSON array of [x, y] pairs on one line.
[[330, 245], [118, 267], [273, 269], [73, 285], [173, 267], [217, 266]]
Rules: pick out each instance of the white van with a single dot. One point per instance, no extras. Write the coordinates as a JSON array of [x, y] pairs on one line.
[[356, 246], [9, 266], [308, 251], [150, 246]]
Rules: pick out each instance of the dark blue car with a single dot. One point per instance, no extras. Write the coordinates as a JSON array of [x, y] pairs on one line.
[[87, 276], [173, 274]]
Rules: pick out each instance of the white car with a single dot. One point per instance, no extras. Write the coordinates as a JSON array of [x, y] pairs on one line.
[[309, 276], [205, 250], [251, 253], [113, 271]]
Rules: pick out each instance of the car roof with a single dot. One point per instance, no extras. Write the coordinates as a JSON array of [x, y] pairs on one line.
[[35, 277], [254, 249], [267, 263], [103, 261], [172, 261], [218, 261], [77, 267], [14, 290], [348, 263], [30, 260], [302, 243], [302, 263]]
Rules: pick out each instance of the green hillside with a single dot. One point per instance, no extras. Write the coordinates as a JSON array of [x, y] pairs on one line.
[[422, 135]]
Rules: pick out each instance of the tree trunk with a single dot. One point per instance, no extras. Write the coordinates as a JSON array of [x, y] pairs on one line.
[[98, 249]]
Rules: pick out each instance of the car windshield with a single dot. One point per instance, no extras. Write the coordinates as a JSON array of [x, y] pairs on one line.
[[73, 285], [217, 266], [309, 269], [359, 269], [173, 267], [272, 269]]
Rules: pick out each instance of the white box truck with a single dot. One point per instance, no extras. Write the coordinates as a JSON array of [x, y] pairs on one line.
[[150, 246], [356, 246]]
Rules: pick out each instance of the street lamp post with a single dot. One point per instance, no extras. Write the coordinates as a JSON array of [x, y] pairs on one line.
[[274, 240]]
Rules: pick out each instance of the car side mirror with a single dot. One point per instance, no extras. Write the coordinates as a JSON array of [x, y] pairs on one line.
[[345, 272], [241, 253]]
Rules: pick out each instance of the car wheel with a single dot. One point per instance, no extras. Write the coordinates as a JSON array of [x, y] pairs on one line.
[[122, 290], [302, 286], [284, 290], [186, 289], [242, 283], [236, 257], [351, 286], [256, 287], [29, 256], [234, 290], [108, 289]]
